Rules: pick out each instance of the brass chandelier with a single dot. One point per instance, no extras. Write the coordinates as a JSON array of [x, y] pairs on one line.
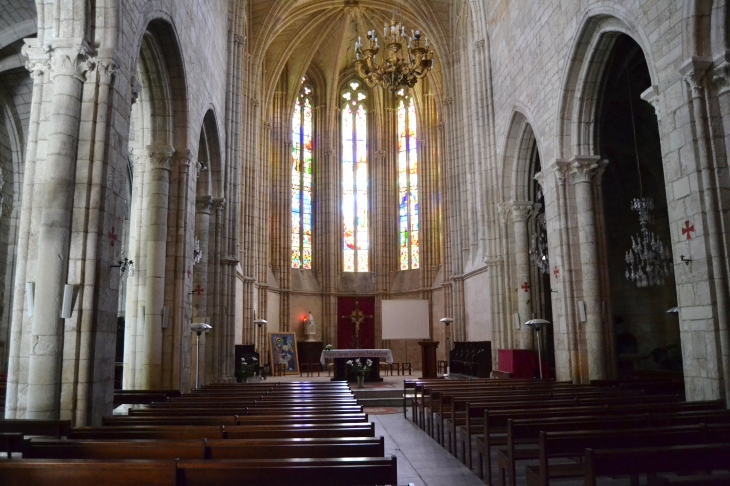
[[401, 68]]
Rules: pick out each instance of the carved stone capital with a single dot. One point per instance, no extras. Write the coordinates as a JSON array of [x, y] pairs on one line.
[[380, 155], [159, 156], [721, 77], [479, 45], [521, 211], [651, 96], [107, 70], [254, 102], [694, 71], [267, 125], [203, 204], [503, 209], [239, 40], [440, 126], [448, 101], [183, 158], [583, 168], [328, 152], [219, 203], [230, 260], [39, 60], [69, 57], [560, 168], [423, 143], [136, 90]]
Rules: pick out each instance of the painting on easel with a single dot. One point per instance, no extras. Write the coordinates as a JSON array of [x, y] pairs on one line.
[[284, 352]]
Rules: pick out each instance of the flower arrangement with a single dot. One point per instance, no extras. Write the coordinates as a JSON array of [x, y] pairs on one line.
[[329, 347], [246, 369], [360, 369]]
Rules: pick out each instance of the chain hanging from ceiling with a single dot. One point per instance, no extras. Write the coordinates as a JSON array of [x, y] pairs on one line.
[[401, 67], [648, 261]]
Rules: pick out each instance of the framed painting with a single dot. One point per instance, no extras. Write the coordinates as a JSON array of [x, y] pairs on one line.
[[284, 351]]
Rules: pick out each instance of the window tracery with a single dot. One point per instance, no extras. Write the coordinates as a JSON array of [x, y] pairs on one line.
[[301, 203]]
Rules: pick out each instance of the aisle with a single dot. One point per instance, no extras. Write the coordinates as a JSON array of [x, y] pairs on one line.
[[421, 460]]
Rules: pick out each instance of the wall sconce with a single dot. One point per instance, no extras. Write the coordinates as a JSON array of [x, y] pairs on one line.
[[126, 267], [537, 325], [685, 260], [197, 254]]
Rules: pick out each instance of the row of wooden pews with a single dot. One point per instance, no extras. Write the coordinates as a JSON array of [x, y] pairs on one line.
[[561, 431], [249, 434]]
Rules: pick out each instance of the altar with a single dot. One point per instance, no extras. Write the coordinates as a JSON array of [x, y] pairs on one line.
[[342, 356]]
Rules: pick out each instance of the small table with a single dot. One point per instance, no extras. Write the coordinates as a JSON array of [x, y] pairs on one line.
[[341, 356]]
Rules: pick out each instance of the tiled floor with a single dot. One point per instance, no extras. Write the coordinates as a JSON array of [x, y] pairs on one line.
[[421, 460]]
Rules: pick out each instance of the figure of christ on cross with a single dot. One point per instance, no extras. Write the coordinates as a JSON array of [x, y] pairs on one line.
[[357, 318]]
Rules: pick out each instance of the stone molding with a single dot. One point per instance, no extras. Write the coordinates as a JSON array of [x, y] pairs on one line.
[[583, 168], [203, 204], [503, 209], [651, 96], [159, 156], [540, 178], [230, 260], [69, 57]]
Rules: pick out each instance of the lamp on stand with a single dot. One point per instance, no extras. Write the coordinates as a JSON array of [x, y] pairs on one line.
[[261, 339], [447, 333], [537, 325], [199, 328]]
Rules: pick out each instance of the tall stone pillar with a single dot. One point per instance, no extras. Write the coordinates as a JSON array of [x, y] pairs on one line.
[[157, 192], [69, 63], [521, 212], [583, 169], [203, 205]]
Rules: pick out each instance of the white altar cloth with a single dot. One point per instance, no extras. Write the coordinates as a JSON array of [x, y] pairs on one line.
[[357, 353]]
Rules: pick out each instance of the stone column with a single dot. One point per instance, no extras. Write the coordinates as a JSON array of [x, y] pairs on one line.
[[583, 169], [155, 218], [203, 205], [521, 212], [69, 63]]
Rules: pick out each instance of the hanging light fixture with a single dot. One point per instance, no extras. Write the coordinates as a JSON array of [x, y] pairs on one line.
[[539, 247], [401, 68], [197, 254], [648, 261]]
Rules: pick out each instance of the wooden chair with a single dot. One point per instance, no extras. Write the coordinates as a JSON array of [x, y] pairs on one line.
[[310, 368], [442, 366], [279, 369], [394, 367], [405, 365]]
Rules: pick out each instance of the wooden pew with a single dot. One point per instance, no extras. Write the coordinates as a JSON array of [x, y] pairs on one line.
[[285, 472], [177, 432], [573, 444], [50, 428], [526, 432], [292, 448], [262, 410], [495, 422], [681, 459], [76, 472], [115, 449], [142, 397], [722, 479], [11, 442], [231, 420]]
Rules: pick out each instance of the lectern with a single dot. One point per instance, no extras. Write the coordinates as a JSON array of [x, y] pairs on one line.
[[428, 358]]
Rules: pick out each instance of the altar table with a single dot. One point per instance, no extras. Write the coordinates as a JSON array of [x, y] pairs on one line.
[[341, 356]]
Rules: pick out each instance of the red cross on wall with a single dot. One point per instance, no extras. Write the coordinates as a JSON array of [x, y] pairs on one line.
[[113, 236], [525, 287], [556, 272], [687, 230], [189, 272], [198, 290]]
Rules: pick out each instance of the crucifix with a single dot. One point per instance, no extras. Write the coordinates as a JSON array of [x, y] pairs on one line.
[[357, 318]]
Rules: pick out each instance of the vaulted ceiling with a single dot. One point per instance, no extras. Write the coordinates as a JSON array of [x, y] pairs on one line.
[[295, 36]]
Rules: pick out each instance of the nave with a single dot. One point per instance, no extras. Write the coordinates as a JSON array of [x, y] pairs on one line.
[[508, 431]]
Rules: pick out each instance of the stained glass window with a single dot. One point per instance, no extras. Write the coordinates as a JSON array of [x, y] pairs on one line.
[[407, 183], [354, 179], [301, 184]]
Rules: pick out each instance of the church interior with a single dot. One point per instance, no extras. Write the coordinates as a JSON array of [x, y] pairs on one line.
[[532, 192]]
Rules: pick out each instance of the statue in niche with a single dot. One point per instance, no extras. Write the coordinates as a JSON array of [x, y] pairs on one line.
[[310, 328]]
